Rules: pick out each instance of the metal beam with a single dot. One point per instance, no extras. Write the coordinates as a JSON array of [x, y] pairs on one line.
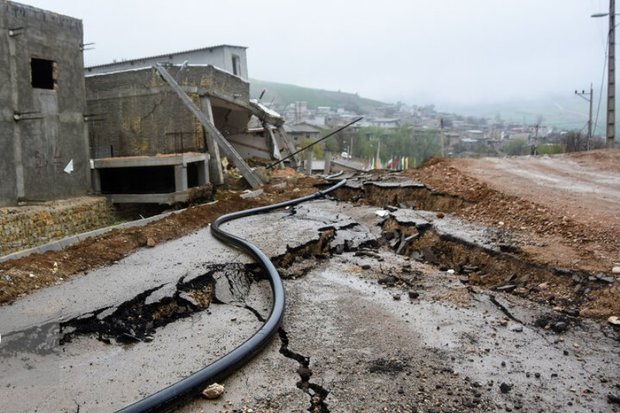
[[224, 145]]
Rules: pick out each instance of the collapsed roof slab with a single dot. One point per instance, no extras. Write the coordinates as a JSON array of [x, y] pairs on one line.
[[136, 113]]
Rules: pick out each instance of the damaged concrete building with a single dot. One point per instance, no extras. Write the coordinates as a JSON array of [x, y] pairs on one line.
[[229, 58], [152, 128], [43, 141], [148, 130]]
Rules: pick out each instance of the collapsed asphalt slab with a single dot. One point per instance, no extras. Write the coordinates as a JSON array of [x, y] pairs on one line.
[[366, 329]]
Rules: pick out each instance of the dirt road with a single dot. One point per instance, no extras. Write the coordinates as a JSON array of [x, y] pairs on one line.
[[584, 187], [572, 220]]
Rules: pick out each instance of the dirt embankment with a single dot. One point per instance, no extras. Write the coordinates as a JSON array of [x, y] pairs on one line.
[[575, 214], [567, 207]]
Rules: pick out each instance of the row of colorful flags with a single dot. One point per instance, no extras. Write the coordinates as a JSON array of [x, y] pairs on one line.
[[397, 163]]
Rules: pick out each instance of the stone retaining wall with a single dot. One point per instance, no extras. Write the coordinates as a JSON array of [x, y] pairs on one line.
[[33, 225]]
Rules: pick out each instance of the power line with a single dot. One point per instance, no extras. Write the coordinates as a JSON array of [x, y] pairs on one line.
[[314, 143]]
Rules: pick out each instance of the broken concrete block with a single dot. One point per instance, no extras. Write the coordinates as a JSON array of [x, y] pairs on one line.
[[507, 287], [213, 391], [389, 281], [263, 173], [252, 194], [382, 213], [505, 387], [189, 298]]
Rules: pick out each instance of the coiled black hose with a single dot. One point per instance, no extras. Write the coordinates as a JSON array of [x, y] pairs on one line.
[[174, 394]]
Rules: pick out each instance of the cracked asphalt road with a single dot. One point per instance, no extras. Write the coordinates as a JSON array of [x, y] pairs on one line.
[[365, 330]]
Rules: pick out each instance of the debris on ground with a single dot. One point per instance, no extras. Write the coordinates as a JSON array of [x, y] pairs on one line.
[[213, 391]]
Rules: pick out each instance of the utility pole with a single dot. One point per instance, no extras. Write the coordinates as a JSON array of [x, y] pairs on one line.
[[588, 96], [611, 77], [351, 148], [590, 118], [611, 73], [442, 138]]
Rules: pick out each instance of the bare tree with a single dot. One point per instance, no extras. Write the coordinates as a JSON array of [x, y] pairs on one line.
[[574, 142]]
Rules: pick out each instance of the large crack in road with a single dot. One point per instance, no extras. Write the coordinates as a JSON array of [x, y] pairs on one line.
[[364, 241], [317, 393]]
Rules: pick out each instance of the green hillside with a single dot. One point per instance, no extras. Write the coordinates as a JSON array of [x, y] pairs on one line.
[[282, 94]]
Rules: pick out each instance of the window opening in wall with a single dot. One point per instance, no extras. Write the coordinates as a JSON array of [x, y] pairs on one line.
[[236, 64], [43, 73]]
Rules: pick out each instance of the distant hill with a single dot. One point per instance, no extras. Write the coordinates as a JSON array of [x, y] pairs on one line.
[[561, 111], [282, 94], [564, 112]]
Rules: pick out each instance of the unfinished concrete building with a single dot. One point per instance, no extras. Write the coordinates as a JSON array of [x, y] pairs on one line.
[[148, 146], [43, 141]]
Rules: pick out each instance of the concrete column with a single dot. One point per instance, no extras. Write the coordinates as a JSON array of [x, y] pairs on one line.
[[203, 172], [328, 163], [180, 178], [96, 180], [288, 143], [309, 161], [89, 177], [273, 144], [215, 162]]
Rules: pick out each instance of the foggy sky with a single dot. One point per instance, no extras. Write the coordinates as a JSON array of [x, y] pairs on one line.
[[417, 51]]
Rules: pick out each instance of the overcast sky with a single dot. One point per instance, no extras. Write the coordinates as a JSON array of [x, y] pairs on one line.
[[417, 51]]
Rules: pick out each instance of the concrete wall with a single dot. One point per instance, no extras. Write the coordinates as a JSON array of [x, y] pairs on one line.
[[218, 56], [50, 130], [136, 113]]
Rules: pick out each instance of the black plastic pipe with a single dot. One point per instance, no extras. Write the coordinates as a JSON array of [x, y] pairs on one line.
[[176, 393]]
